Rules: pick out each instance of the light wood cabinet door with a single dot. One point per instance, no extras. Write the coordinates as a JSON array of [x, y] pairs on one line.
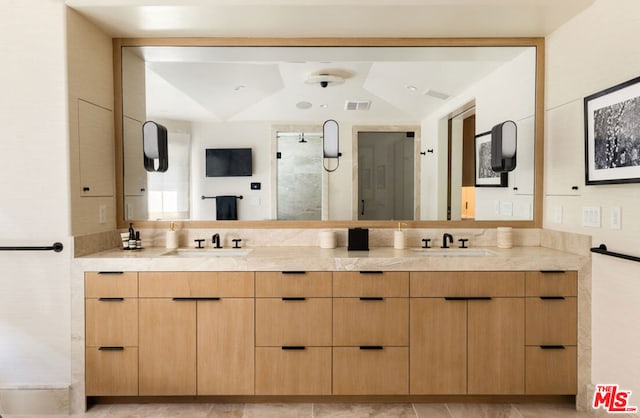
[[283, 321], [95, 141], [276, 284], [111, 371], [111, 322], [367, 371], [186, 284], [552, 283], [370, 283], [375, 321], [551, 370], [167, 347], [496, 346], [551, 321], [293, 371], [106, 284], [225, 347], [467, 284], [438, 346]]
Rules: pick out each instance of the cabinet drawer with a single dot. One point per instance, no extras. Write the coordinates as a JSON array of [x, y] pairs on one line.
[[371, 322], [293, 371], [111, 371], [551, 371], [111, 322], [551, 321], [293, 322], [371, 283], [293, 284], [359, 371], [552, 283], [196, 284], [467, 284], [111, 284]]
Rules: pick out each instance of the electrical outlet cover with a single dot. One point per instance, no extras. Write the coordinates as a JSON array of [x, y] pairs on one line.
[[616, 221]]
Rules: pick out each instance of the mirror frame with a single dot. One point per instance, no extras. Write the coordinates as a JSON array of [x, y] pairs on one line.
[[538, 43]]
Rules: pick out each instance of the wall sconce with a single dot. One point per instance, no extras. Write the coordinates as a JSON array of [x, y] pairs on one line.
[[154, 147], [503, 146], [330, 142]]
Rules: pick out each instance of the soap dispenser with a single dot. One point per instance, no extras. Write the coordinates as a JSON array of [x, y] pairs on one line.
[[132, 238], [172, 237], [399, 238]]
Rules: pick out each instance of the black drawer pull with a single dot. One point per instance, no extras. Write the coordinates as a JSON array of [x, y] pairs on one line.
[[552, 271], [552, 347], [193, 299], [369, 298], [455, 298], [86, 189], [111, 272], [286, 299], [293, 347], [111, 348], [371, 347], [479, 298], [467, 298], [372, 272], [110, 299], [552, 297], [294, 272]]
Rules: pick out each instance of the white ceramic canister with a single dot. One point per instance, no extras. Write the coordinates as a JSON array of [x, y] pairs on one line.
[[399, 240], [327, 239], [504, 237]]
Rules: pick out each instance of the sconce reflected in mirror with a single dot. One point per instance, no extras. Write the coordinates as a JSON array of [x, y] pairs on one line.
[[503, 146], [330, 143], [154, 147]]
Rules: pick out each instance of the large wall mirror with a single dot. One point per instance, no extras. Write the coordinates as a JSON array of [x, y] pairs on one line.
[[411, 116]]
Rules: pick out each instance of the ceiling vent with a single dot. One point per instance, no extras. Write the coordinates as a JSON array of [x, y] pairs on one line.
[[436, 94], [357, 105]]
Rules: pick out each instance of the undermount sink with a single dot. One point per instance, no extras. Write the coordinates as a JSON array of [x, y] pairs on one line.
[[208, 252], [454, 252]]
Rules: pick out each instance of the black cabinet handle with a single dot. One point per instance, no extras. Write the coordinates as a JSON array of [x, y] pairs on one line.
[[552, 347], [371, 347], [294, 272], [86, 189], [110, 299], [287, 299], [293, 347], [370, 298], [552, 297], [552, 271], [574, 187], [454, 298], [110, 272], [371, 272], [467, 298], [193, 299], [111, 348]]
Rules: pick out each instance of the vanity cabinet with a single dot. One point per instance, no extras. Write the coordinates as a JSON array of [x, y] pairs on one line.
[[182, 318], [370, 333], [467, 333], [111, 339], [551, 338], [95, 139], [293, 333]]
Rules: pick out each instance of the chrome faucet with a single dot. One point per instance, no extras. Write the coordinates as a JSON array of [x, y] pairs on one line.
[[215, 240], [446, 237]]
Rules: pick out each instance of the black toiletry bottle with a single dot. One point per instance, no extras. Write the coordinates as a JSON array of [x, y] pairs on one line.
[[132, 238], [138, 241]]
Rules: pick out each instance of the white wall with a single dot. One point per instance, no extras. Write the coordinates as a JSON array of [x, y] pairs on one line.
[[597, 49], [34, 209]]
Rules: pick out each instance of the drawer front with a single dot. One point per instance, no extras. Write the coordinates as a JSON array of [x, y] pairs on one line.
[[551, 321], [276, 284], [370, 372], [359, 322], [196, 284], [371, 283], [111, 284], [111, 322], [551, 371], [552, 283], [111, 372], [467, 284], [293, 322], [293, 372]]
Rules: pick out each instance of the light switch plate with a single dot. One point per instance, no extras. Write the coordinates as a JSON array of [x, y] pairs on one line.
[[616, 221], [506, 208], [102, 214], [557, 214], [591, 216]]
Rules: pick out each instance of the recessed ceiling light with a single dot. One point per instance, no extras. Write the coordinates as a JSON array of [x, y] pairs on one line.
[[238, 88], [412, 88], [303, 105], [324, 105]]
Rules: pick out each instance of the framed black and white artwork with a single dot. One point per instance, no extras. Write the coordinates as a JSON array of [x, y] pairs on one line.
[[485, 176], [612, 134]]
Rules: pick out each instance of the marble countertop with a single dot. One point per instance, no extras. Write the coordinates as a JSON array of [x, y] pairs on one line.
[[339, 259]]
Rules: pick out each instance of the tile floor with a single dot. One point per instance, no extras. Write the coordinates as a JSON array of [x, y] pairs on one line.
[[338, 410]]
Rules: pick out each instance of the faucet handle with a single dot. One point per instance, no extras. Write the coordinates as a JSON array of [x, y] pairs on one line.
[[426, 242], [463, 242], [199, 243], [236, 243]]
